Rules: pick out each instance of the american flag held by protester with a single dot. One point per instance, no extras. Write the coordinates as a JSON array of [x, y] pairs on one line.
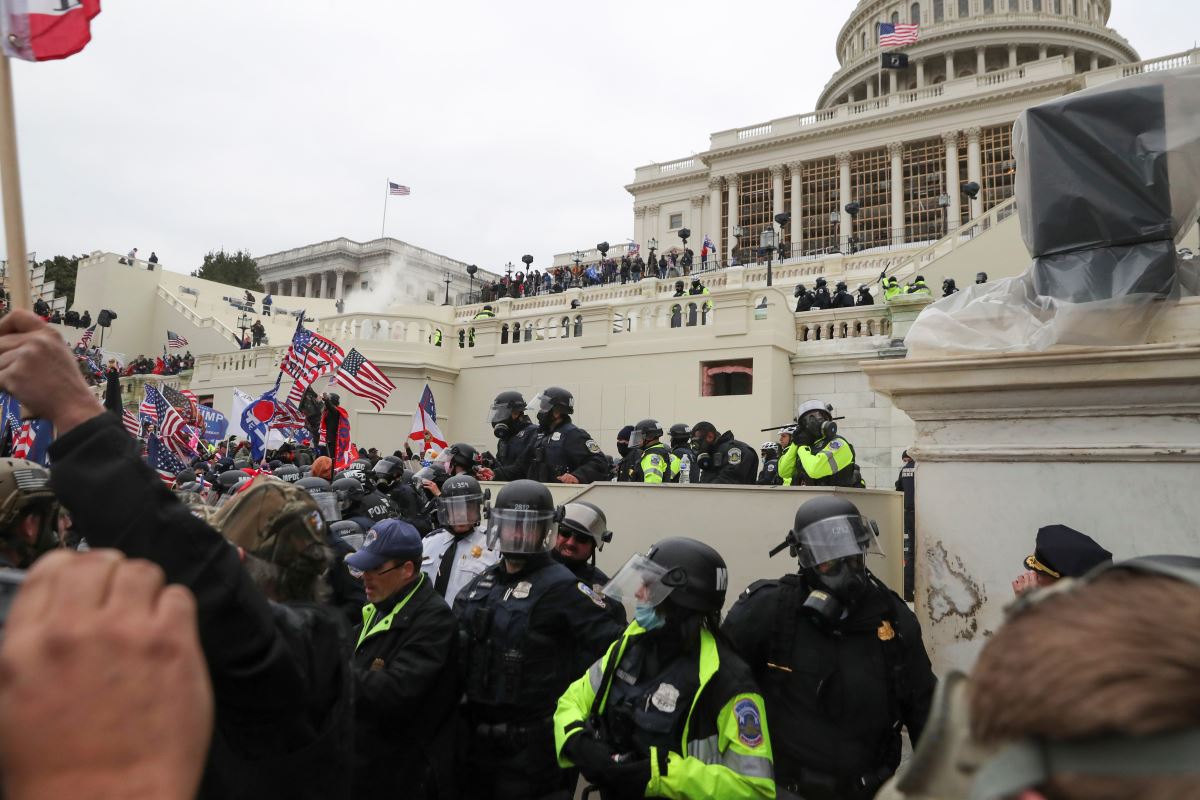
[[364, 379], [176, 339]]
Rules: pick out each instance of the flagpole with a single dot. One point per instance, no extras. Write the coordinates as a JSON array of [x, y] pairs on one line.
[[17, 281], [387, 182]]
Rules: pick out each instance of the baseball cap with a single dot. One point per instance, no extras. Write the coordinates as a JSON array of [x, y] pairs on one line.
[[387, 539]]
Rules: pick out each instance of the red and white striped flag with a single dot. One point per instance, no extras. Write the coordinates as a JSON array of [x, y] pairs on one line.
[[364, 379], [23, 441], [131, 423], [897, 34]]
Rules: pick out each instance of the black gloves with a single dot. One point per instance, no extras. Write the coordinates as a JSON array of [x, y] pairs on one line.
[[595, 760], [589, 754]]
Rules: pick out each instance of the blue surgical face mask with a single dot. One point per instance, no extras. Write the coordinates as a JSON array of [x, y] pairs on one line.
[[648, 617]]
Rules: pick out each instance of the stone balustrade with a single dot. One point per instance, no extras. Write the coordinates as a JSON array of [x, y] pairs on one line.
[[843, 323]]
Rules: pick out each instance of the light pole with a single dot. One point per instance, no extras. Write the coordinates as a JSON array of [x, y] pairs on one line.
[[783, 218], [766, 242], [738, 231], [508, 268], [243, 323], [446, 280], [652, 264], [471, 270]]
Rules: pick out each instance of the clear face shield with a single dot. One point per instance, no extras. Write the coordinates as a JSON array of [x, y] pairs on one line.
[[586, 520], [836, 538], [639, 583], [638, 438], [499, 412], [461, 510], [327, 502], [543, 404], [517, 531]]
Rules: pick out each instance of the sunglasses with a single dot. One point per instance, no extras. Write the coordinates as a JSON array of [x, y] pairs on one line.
[[567, 533]]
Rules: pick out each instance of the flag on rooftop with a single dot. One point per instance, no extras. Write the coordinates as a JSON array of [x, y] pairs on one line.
[[895, 34], [364, 379], [43, 30], [398, 189], [175, 340]]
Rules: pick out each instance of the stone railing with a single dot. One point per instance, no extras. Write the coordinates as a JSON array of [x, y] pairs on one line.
[[173, 300], [383, 328], [843, 323], [1109, 74]]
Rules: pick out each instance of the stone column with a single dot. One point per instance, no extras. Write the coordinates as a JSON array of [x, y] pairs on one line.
[[733, 185], [1042, 52], [871, 88], [321, 286], [797, 209], [980, 60], [846, 227], [920, 73], [1012, 56], [777, 189], [308, 285], [339, 283], [639, 225], [896, 151], [712, 228], [950, 66], [1095, 63], [696, 220], [950, 138], [285, 286], [974, 169], [892, 83]]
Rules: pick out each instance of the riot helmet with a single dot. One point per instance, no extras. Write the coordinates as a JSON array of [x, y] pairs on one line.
[[550, 399], [680, 433], [790, 432], [460, 455], [689, 572], [185, 476], [321, 492], [644, 431], [799, 290], [840, 286], [585, 519], [981, 277], [679, 286], [821, 282], [348, 531], [434, 472], [387, 467], [288, 472], [241, 463], [349, 491], [812, 415], [522, 520], [830, 539], [948, 286], [500, 414], [461, 502], [25, 489]]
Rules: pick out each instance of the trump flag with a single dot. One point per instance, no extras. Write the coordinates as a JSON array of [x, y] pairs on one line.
[[43, 30]]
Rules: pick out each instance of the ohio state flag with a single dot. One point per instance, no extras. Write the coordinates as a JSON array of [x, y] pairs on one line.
[[43, 30]]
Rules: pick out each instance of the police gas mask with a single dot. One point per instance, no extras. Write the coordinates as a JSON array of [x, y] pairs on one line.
[[831, 552], [501, 430], [500, 419], [835, 588]]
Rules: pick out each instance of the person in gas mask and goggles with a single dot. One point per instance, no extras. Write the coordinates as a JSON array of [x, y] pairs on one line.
[[838, 656]]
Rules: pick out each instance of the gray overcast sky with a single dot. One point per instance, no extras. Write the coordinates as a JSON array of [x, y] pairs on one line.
[[185, 127]]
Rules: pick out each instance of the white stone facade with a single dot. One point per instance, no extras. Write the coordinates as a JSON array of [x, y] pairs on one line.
[[339, 268]]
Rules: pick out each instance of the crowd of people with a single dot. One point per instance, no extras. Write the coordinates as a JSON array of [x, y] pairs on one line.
[[308, 625], [626, 269]]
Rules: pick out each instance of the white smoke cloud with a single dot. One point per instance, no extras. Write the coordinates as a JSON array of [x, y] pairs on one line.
[[384, 290]]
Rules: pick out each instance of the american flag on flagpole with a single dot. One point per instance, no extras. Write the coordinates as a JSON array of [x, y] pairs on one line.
[[364, 379], [398, 190], [164, 462], [171, 425], [176, 340], [895, 34], [86, 339], [132, 424]]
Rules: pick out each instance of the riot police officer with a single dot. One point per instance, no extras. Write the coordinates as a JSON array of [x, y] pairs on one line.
[[841, 297], [627, 457], [654, 463], [563, 451], [804, 298], [864, 296], [582, 532], [457, 552], [670, 710], [513, 430], [839, 658], [769, 476], [821, 298], [822, 457], [698, 289], [948, 287], [529, 627], [681, 448], [722, 458], [677, 308]]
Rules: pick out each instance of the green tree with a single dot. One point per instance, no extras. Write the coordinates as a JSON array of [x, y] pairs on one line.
[[236, 269], [62, 270]]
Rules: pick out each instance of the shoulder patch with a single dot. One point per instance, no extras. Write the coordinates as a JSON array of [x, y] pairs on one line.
[[834, 444], [749, 722], [591, 445], [771, 467], [734, 456], [655, 461], [591, 594]]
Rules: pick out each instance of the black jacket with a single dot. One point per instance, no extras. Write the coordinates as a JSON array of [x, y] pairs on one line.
[[513, 449], [731, 461], [406, 681], [284, 712], [567, 448], [832, 698], [593, 576]]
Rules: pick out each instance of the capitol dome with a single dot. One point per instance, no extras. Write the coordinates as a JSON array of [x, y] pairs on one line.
[[961, 38]]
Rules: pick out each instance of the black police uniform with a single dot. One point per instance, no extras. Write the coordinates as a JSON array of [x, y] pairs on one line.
[[805, 300], [906, 482], [731, 461], [411, 506], [345, 592], [843, 299], [568, 448], [628, 466], [770, 473], [836, 698], [865, 298], [821, 298], [526, 636], [374, 505], [510, 450], [593, 576], [283, 693]]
